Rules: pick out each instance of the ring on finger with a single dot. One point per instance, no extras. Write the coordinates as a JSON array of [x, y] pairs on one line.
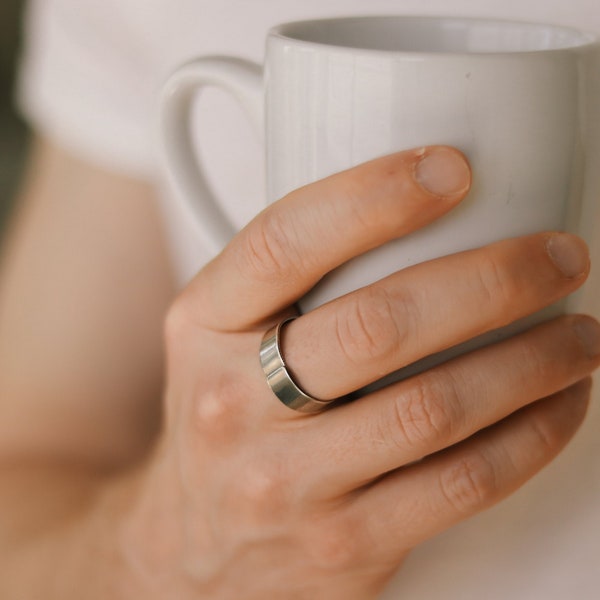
[[278, 377]]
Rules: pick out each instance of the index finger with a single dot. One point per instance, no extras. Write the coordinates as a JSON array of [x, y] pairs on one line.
[[293, 243]]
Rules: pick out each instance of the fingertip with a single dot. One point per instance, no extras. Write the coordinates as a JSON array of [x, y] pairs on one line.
[[443, 171], [587, 330], [581, 392], [570, 254], [565, 411], [584, 387]]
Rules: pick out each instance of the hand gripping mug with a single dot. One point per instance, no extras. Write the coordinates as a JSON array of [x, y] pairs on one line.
[[521, 100]]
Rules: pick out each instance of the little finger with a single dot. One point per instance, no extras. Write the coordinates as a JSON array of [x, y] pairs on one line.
[[414, 504]]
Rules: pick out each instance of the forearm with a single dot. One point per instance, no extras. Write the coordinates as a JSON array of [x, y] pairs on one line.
[[84, 285]]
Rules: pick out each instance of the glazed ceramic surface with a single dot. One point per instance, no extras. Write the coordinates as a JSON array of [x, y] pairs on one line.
[[518, 99]]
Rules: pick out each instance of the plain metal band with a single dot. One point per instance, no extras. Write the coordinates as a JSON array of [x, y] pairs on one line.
[[279, 379]]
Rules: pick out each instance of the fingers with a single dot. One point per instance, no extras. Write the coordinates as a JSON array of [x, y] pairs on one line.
[[458, 483], [346, 344], [295, 242], [439, 408]]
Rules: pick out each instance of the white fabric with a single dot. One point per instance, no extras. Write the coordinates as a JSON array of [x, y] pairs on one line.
[[90, 76]]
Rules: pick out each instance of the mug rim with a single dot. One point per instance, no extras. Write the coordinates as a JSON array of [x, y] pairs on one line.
[[586, 39]]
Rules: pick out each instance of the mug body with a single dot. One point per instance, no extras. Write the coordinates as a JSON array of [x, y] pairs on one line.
[[509, 95]]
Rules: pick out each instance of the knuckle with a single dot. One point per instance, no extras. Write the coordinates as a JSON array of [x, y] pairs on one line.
[[336, 545], [219, 410], [176, 322], [261, 492], [469, 485], [368, 329], [427, 411], [184, 315], [271, 250], [495, 284]]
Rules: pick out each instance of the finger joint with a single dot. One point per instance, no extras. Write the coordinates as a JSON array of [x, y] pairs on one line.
[[426, 411], [469, 485], [369, 328]]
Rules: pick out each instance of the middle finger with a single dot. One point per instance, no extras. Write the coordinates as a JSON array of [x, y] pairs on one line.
[[357, 339]]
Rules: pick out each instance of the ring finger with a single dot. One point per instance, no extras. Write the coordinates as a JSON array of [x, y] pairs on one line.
[[349, 343]]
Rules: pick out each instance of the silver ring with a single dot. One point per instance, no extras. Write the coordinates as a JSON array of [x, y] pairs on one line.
[[279, 379]]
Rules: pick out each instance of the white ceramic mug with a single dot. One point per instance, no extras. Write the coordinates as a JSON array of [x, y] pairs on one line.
[[516, 98]]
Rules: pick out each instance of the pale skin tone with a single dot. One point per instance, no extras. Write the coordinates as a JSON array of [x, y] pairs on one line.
[[230, 494]]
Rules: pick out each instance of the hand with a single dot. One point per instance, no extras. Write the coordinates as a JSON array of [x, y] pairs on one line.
[[249, 499]]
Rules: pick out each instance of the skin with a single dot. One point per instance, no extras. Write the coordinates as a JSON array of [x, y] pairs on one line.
[[239, 497]]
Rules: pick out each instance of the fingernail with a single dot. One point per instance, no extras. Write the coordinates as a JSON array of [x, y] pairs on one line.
[[588, 332], [443, 172], [569, 254]]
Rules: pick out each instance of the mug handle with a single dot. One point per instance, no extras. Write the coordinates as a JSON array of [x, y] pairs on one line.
[[243, 79]]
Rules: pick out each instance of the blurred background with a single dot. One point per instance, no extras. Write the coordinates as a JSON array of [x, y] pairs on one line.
[[13, 133]]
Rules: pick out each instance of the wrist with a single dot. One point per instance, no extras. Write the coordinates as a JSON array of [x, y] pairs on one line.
[[60, 539], [145, 510]]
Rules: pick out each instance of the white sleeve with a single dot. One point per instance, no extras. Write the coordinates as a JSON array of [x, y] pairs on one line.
[[87, 82]]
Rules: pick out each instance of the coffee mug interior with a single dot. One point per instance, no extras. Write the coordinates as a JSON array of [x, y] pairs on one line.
[[434, 34]]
